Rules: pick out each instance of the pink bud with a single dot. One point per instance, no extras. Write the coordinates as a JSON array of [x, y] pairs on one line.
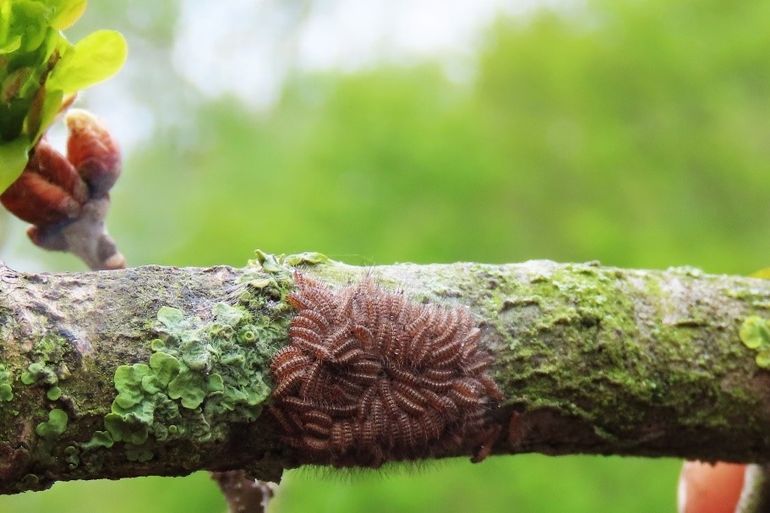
[[48, 191], [93, 151], [710, 488]]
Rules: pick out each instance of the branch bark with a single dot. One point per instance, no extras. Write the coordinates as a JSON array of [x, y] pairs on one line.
[[590, 359]]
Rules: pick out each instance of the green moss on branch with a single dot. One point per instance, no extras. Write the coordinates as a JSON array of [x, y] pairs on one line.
[[165, 371]]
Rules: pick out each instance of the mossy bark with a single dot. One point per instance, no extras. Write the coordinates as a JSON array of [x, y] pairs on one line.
[[590, 360]]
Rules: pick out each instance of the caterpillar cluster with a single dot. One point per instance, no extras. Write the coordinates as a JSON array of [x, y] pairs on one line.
[[370, 376]]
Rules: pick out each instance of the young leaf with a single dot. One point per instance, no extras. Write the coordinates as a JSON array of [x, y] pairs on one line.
[[13, 158], [94, 58], [52, 102], [13, 83], [10, 44], [66, 12], [40, 71], [29, 19]]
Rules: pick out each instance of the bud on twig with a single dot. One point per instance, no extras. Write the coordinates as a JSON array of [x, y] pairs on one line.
[[66, 199], [49, 191], [93, 151]]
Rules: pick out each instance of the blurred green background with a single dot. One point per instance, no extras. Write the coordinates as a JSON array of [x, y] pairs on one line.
[[634, 132]]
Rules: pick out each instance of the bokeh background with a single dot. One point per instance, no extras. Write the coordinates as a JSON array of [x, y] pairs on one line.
[[634, 132]]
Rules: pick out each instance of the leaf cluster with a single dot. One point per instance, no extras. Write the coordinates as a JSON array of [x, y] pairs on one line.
[[40, 71]]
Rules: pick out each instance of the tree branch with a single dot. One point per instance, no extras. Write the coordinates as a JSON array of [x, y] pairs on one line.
[[163, 371]]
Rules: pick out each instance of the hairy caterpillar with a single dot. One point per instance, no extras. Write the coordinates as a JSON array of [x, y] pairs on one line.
[[371, 376]]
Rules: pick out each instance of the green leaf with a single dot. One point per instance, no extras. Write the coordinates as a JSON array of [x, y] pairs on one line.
[[10, 45], [29, 19], [39, 118], [55, 41], [94, 58], [13, 158], [14, 82], [5, 21], [66, 12]]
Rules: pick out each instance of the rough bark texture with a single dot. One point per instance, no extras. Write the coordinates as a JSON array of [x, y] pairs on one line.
[[590, 360]]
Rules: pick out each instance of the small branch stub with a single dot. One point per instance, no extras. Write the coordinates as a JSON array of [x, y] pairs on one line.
[[371, 376], [244, 494]]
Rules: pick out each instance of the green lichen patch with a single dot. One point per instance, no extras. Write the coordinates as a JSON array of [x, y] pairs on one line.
[[279, 264], [39, 373], [128, 383], [755, 334], [227, 316], [307, 258], [266, 282], [189, 387], [129, 427], [53, 393], [72, 456], [271, 263], [54, 426], [201, 377], [49, 365], [6, 384], [98, 440], [561, 323]]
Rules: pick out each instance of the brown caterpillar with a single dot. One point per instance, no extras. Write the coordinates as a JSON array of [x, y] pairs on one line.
[[370, 377]]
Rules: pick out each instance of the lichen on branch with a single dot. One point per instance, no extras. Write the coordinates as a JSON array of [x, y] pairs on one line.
[[159, 370]]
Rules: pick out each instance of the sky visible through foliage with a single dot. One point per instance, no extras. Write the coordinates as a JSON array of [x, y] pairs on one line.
[[633, 132]]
